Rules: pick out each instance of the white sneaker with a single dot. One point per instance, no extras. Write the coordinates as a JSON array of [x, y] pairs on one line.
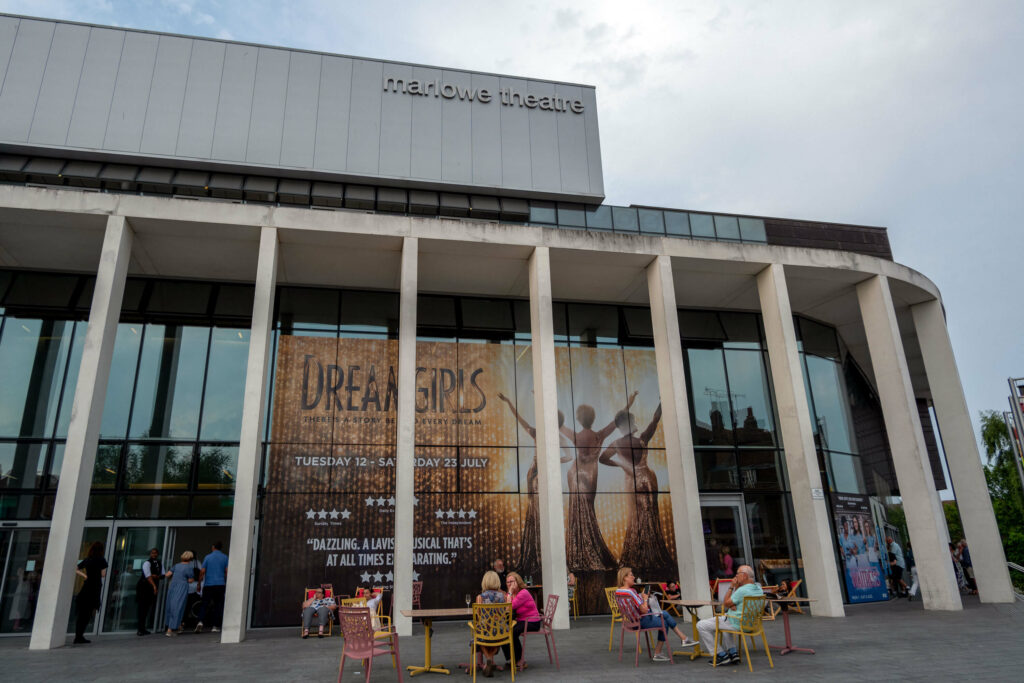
[[661, 657], [215, 630], [689, 643]]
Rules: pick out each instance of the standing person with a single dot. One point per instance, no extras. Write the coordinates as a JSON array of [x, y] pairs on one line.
[[961, 580], [898, 566], [965, 560], [524, 612], [177, 593], [147, 588], [649, 618], [586, 549], [743, 586], [93, 569], [727, 562], [214, 575]]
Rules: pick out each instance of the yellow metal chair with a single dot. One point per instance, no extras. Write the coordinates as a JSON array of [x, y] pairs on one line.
[[609, 593], [574, 602], [751, 625], [492, 627]]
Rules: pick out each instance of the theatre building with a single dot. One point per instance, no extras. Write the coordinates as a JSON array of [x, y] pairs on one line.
[[371, 323]]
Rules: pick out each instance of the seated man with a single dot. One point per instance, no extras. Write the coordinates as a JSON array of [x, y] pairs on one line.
[[742, 586], [649, 618], [321, 607]]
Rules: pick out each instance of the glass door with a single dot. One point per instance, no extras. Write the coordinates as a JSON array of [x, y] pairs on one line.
[[726, 541], [25, 555], [131, 548]]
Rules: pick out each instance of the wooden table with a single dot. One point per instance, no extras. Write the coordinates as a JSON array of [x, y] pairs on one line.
[[692, 606], [788, 647], [428, 616]]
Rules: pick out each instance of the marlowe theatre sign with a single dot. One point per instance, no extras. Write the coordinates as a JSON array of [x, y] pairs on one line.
[[507, 96]]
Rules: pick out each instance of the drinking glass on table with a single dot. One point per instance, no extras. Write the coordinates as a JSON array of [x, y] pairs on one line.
[[469, 599]]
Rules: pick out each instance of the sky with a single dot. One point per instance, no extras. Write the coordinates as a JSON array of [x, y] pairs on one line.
[[905, 115]]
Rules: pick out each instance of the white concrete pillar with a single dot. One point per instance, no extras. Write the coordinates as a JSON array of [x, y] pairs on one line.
[[810, 510], [405, 456], [549, 469], [675, 420], [925, 519], [962, 457], [56, 588], [250, 447]]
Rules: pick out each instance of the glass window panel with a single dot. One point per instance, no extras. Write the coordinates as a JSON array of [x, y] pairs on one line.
[[571, 214], [700, 325], [818, 339], [727, 228], [33, 357], [191, 298], [307, 308], [742, 329], [624, 219], [134, 289], [542, 212], [435, 311], [712, 420], [104, 471], [847, 475], [22, 465], [24, 573], [101, 506], [158, 466], [751, 399], [677, 223], [752, 230], [212, 507], [218, 466], [369, 312], [170, 382], [41, 290], [770, 525], [716, 470], [71, 381], [234, 301], [832, 422], [638, 322], [486, 314], [651, 221], [599, 217], [762, 470], [702, 225], [118, 403], [593, 323], [5, 279], [225, 383]]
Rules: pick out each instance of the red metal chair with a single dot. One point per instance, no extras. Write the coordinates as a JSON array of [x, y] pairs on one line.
[[631, 622], [360, 644], [417, 592], [545, 630]]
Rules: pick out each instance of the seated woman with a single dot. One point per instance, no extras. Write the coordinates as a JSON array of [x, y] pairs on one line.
[[321, 607], [649, 619], [490, 593], [524, 611]]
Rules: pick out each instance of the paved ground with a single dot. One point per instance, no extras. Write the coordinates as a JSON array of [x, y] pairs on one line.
[[896, 640]]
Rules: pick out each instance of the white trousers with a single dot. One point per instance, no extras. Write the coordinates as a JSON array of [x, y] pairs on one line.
[[706, 629]]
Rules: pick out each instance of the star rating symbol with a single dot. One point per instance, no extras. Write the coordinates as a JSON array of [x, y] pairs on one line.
[[322, 514], [369, 501], [462, 513], [377, 577], [390, 576], [472, 514], [345, 514], [334, 513], [391, 501], [310, 514], [380, 502], [364, 577], [439, 514], [450, 514], [415, 500], [415, 575]]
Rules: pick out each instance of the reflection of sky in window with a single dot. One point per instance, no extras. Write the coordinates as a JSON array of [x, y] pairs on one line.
[[710, 393], [222, 405], [829, 405], [747, 382], [173, 359]]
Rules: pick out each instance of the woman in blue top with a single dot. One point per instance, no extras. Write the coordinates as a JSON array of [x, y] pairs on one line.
[[181, 575]]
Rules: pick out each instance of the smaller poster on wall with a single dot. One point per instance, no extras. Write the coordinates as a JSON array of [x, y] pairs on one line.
[[860, 547]]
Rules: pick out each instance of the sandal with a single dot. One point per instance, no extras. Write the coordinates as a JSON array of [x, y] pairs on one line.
[[305, 634]]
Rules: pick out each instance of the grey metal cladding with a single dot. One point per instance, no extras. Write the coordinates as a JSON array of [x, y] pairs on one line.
[[166, 95], [332, 117], [199, 109], [298, 140], [131, 93], [364, 117], [96, 89], [56, 98], [234, 107], [137, 94], [23, 78], [268, 98], [396, 128]]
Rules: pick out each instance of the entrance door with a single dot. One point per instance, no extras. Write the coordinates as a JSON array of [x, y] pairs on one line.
[[726, 541], [131, 549], [198, 539], [25, 551]]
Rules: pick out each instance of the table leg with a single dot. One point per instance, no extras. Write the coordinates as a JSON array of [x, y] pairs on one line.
[[696, 651], [788, 647], [427, 666]]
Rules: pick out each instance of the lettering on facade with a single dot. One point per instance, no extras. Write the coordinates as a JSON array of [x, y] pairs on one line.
[[508, 97]]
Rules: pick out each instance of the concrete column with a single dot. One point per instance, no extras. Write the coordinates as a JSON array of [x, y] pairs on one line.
[[811, 513], [50, 627], [925, 519], [962, 457], [405, 460], [250, 450], [549, 469], [675, 420]]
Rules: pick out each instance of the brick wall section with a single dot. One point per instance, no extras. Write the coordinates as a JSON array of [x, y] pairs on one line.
[[813, 235]]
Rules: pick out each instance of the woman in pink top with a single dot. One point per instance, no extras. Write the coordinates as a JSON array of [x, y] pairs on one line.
[[524, 612]]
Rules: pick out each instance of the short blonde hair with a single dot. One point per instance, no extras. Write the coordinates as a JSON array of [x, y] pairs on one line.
[[491, 581], [623, 573], [187, 556]]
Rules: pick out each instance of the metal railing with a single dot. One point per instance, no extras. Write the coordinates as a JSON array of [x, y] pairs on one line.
[[1017, 579]]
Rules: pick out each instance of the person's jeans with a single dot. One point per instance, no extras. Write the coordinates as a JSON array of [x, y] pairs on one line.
[[212, 611], [517, 632], [322, 614], [654, 621]]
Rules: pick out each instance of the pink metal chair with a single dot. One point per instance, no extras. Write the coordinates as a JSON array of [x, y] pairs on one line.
[[417, 592], [545, 630], [631, 622], [357, 628]]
